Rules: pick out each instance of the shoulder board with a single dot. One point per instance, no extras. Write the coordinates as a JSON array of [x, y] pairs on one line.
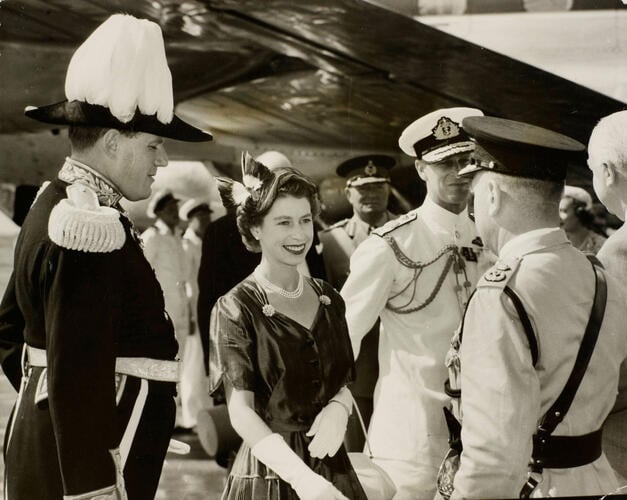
[[78, 222], [499, 274], [390, 226], [337, 225]]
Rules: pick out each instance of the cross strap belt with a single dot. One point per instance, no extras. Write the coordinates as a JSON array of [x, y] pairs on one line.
[[564, 452], [147, 368]]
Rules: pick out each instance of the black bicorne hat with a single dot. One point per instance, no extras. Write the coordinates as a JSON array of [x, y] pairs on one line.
[[119, 78], [83, 114]]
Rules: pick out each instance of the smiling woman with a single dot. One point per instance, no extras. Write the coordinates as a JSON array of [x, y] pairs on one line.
[[281, 352]]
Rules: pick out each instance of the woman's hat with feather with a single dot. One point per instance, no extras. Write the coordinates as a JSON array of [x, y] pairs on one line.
[[119, 78], [254, 176]]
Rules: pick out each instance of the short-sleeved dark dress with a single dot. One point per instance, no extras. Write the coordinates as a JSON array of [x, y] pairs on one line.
[[293, 372]]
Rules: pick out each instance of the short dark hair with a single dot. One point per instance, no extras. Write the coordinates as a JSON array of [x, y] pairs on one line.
[[82, 138], [286, 181]]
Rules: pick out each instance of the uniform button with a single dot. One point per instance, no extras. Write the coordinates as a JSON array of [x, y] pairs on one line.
[[309, 342], [315, 362], [457, 234], [315, 383]]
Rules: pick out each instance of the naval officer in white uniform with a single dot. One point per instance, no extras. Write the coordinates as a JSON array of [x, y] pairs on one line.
[[416, 273]]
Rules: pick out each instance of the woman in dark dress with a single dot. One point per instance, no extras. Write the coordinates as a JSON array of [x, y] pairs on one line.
[[280, 350]]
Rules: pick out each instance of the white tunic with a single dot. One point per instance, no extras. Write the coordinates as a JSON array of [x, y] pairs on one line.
[[164, 251], [503, 396], [407, 423]]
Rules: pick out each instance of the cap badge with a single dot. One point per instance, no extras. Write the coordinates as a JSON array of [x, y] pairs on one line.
[[445, 129], [370, 169]]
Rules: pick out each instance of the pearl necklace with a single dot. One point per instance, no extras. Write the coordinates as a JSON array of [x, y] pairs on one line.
[[277, 289]]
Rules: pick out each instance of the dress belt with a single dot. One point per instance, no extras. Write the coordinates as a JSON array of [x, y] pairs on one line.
[[147, 368], [565, 452]]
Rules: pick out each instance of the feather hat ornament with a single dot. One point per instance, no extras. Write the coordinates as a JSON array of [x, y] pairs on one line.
[[254, 176], [119, 78]]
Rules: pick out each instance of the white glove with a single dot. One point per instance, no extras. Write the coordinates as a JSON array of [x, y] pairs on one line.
[[329, 426], [274, 452]]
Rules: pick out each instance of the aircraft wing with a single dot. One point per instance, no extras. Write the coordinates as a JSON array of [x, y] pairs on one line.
[[327, 75]]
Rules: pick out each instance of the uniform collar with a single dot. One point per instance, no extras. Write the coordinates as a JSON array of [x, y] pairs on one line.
[[74, 171], [355, 223], [533, 241], [441, 216]]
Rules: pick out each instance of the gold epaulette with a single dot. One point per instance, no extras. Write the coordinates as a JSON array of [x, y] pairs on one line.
[[390, 226], [499, 274], [78, 222]]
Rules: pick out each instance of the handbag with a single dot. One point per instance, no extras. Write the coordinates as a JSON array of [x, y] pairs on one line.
[[374, 480]]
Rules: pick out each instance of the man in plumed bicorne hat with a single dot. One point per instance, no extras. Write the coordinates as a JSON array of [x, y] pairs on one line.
[[538, 356], [83, 331], [416, 273]]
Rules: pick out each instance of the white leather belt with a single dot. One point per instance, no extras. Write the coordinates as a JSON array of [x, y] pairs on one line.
[[148, 368]]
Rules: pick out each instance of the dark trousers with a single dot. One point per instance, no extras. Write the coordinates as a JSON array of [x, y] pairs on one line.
[[31, 465]]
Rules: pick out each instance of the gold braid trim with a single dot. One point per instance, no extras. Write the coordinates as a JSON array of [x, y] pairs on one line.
[[451, 251]]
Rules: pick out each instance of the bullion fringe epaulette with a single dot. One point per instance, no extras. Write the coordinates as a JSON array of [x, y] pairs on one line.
[[80, 223], [390, 226]]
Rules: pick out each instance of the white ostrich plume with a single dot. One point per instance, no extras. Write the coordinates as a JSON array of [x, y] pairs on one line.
[[122, 66]]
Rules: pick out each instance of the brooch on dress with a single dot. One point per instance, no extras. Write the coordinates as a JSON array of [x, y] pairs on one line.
[[324, 300], [268, 310]]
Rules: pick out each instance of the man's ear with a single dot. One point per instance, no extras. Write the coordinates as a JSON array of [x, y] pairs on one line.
[[420, 168], [610, 173], [111, 142], [495, 197]]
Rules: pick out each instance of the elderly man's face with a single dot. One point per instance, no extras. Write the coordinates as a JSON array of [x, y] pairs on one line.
[[604, 187]]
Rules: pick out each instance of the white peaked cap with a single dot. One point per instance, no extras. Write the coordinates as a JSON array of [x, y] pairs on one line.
[[423, 137], [122, 66]]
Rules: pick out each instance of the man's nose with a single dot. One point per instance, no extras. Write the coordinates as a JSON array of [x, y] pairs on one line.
[[162, 157]]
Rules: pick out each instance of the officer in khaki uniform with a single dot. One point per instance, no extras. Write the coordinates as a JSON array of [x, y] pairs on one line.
[[524, 326], [367, 190], [416, 274]]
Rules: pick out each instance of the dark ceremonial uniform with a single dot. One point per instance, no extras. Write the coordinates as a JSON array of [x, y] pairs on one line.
[[97, 386]]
